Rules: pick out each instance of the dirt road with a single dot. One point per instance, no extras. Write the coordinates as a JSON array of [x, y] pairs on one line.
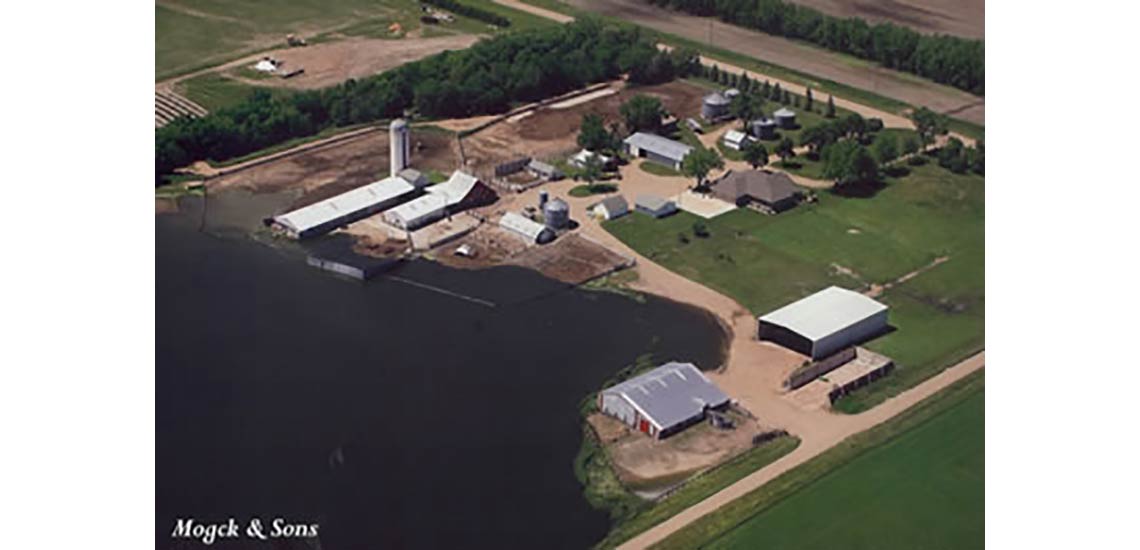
[[795, 55]]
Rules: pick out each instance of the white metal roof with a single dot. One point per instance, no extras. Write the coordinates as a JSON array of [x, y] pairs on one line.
[[455, 188], [784, 112], [422, 207], [670, 394], [824, 313], [523, 226], [665, 147], [346, 203], [735, 136]]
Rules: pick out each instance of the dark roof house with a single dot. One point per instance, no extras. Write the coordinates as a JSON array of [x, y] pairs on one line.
[[772, 191]]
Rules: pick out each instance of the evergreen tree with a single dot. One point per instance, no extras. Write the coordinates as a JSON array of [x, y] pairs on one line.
[[830, 107], [810, 103]]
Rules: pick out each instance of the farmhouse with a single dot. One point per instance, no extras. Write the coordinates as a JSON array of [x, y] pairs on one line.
[[771, 192], [657, 149], [610, 208], [825, 322], [735, 139], [655, 206], [459, 192], [324, 216], [530, 230], [662, 401]]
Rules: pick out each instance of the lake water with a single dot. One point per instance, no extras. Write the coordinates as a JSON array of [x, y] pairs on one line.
[[391, 415]]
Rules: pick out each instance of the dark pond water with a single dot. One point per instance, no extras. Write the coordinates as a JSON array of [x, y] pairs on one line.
[[390, 415]]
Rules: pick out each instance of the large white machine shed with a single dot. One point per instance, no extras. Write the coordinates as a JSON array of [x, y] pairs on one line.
[[825, 322]]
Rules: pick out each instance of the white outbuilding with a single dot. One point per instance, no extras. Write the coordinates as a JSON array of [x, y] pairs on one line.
[[825, 322], [610, 208], [736, 140], [664, 400], [530, 230]]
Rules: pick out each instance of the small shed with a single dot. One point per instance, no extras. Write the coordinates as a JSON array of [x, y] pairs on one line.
[[610, 208], [544, 170], [655, 206], [530, 230], [785, 117], [763, 128], [736, 140], [414, 177]]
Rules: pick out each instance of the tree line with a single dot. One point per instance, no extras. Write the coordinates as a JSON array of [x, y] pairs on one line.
[[473, 12], [951, 60], [487, 78]]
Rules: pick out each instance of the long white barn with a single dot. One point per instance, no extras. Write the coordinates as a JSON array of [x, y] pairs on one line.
[[324, 216]]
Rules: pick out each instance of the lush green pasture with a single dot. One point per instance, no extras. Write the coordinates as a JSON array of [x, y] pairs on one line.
[[765, 262], [915, 481], [922, 489]]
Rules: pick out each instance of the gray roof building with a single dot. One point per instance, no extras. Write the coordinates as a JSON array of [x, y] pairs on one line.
[[825, 322], [611, 207], [663, 400], [655, 206], [657, 148], [772, 190]]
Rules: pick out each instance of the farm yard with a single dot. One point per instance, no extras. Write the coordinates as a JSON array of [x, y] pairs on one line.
[[552, 131], [765, 262]]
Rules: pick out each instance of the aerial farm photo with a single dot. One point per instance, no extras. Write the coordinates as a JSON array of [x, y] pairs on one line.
[[570, 274]]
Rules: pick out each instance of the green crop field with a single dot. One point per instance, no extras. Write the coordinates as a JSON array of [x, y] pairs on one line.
[[922, 489], [914, 481], [765, 262]]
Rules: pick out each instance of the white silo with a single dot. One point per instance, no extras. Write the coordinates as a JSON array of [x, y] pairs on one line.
[[401, 153]]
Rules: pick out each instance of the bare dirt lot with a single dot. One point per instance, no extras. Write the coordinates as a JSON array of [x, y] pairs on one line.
[[322, 173], [965, 18], [552, 131], [646, 463], [795, 55], [331, 63]]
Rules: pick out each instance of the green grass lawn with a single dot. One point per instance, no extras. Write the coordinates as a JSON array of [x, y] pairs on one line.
[[658, 169], [587, 190], [765, 262], [922, 489], [915, 481]]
